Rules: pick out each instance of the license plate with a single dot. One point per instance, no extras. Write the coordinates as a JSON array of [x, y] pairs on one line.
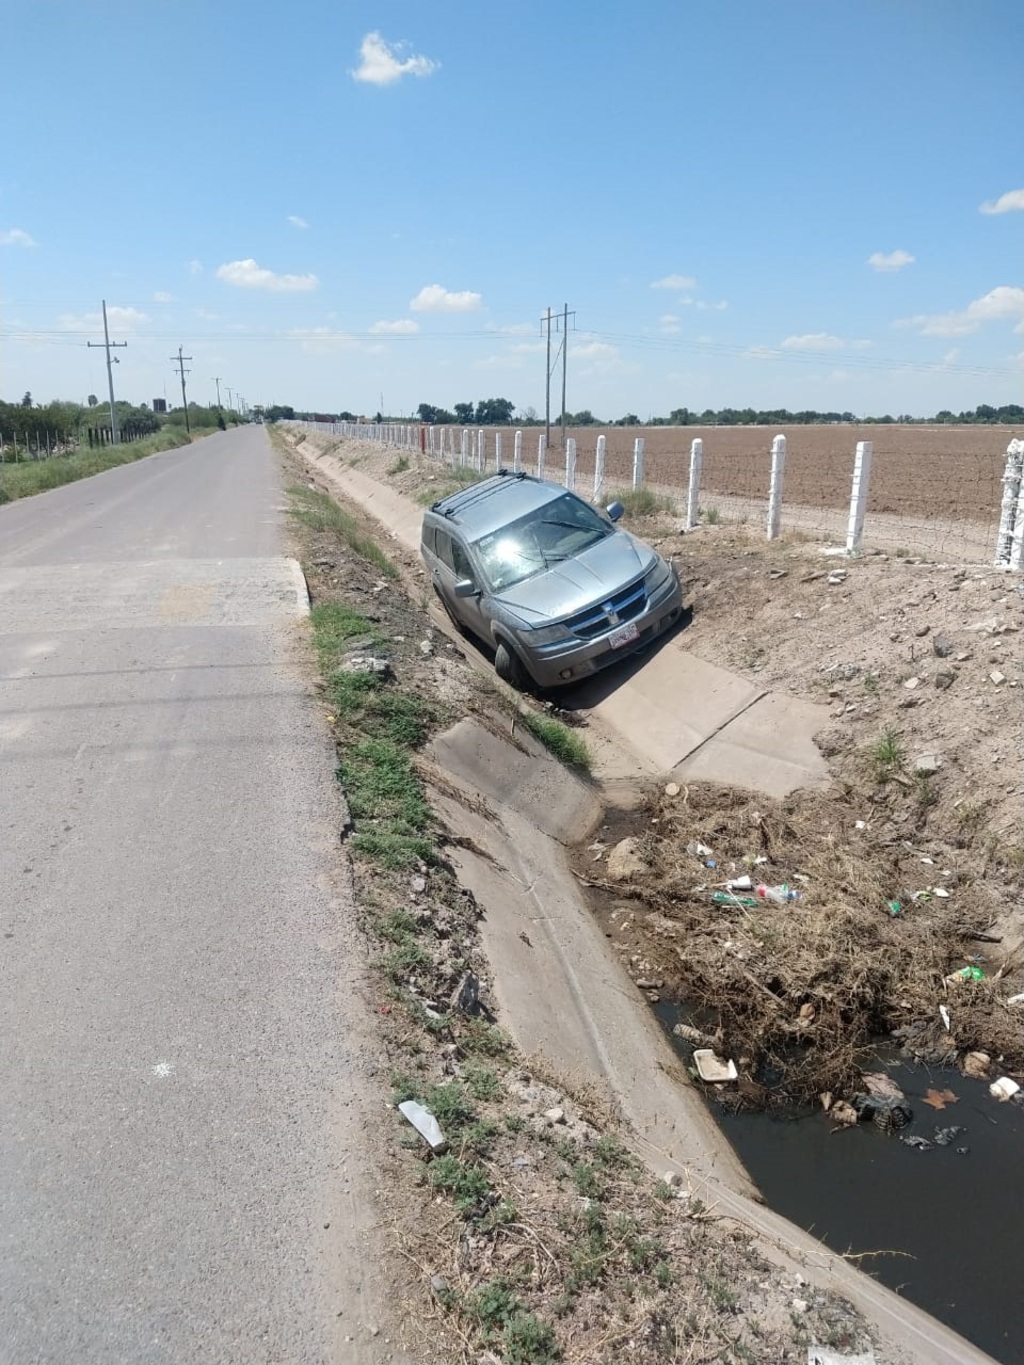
[[625, 635]]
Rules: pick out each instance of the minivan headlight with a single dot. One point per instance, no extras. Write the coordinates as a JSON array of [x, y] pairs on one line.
[[657, 575], [548, 635]]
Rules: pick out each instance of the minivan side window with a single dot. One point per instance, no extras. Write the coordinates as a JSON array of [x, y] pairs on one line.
[[428, 539], [451, 553], [444, 549]]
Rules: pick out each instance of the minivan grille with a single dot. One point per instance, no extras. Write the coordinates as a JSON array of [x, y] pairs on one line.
[[604, 616]]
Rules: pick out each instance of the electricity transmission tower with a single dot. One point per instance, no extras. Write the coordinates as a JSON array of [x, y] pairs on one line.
[[179, 360], [109, 346]]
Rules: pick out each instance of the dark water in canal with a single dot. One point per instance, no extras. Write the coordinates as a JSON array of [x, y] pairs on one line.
[[958, 1220]]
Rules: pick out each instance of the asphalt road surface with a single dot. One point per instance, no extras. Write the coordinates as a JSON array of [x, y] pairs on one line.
[[174, 1061]]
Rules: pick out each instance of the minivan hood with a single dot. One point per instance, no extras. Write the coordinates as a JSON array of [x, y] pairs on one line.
[[590, 577]]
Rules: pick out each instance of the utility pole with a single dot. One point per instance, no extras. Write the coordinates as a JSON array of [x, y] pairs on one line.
[[180, 360], [216, 380], [546, 322], [547, 384], [228, 387], [109, 346]]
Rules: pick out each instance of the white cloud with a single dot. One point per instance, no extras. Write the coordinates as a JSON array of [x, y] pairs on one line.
[[16, 237], [118, 320], [194, 267], [515, 329], [382, 64], [161, 297], [813, 341], [669, 323], [1012, 199], [678, 282], [434, 298], [248, 275], [403, 327], [329, 341], [890, 261], [1005, 301], [297, 222]]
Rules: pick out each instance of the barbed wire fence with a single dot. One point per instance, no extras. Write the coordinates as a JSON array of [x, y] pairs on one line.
[[951, 492]]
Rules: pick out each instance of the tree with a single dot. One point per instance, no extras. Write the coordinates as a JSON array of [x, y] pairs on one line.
[[494, 412], [630, 420], [464, 413], [583, 419], [26, 402], [92, 400]]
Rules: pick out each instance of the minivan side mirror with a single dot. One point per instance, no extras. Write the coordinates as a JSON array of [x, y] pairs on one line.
[[614, 511], [465, 587]]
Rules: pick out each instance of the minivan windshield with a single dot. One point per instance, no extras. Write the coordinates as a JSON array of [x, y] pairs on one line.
[[560, 530]]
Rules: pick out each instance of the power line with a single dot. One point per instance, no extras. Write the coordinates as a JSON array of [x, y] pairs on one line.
[[180, 359], [108, 346]]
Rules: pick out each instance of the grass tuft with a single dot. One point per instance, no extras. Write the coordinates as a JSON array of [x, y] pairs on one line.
[[643, 502], [567, 746], [321, 513]]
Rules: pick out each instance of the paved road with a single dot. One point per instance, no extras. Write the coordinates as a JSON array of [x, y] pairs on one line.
[[170, 1064]]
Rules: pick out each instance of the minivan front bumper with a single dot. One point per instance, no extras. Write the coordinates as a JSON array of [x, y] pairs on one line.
[[565, 662]]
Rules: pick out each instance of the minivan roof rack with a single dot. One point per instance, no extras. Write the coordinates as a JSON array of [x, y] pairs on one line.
[[476, 493]]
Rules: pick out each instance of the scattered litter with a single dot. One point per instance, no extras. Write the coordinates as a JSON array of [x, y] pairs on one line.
[[672, 789], [920, 1143], [860, 824], [965, 974], [888, 1112], [836, 577], [1003, 1089], [780, 894], [1016, 999], [894, 908], [911, 683], [729, 898], [944, 1136], [699, 850], [996, 677], [844, 1114], [945, 1016], [425, 1124], [739, 884], [976, 1064], [938, 1099], [941, 892], [927, 764], [710, 1067], [878, 1083]]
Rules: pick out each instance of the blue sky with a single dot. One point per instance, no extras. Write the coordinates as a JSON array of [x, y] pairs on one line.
[[804, 203]]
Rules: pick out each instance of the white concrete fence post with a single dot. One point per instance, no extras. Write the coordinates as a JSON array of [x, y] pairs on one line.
[[599, 468], [570, 464], [542, 450], [638, 462], [859, 495], [481, 450], [693, 493], [497, 452], [443, 452], [775, 489], [1011, 512], [464, 448], [517, 453], [430, 442]]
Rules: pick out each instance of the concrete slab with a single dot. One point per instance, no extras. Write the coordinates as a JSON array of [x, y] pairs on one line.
[[768, 748]]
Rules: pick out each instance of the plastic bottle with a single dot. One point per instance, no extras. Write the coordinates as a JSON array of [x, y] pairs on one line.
[[781, 893]]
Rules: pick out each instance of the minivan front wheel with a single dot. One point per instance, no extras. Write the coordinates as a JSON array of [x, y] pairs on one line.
[[509, 669]]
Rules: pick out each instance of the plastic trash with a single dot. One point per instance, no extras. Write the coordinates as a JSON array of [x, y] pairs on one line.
[[727, 898], [425, 1124], [780, 894], [945, 1016], [740, 884], [1003, 1089], [967, 974], [710, 1066], [894, 908]]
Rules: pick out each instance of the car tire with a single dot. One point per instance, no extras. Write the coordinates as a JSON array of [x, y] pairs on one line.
[[509, 668]]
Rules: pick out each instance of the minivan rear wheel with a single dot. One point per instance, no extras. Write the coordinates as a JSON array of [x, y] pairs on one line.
[[508, 667]]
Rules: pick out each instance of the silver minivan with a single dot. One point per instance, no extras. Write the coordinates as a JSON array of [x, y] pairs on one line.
[[548, 582]]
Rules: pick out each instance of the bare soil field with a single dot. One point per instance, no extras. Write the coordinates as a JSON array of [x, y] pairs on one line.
[[931, 472]]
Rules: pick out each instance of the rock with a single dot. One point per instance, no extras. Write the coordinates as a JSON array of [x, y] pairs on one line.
[[646, 985], [366, 663], [976, 1064], [672, 789], [911, 683], [832, 742], [438, 1285], [624, 862], [426, 648], [799, 1305], [466, 995], [922, 630], [673, 1179], [996, 677], [943, 679], [942, 647], [419, 884], [555, 1115], [927, 763]]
